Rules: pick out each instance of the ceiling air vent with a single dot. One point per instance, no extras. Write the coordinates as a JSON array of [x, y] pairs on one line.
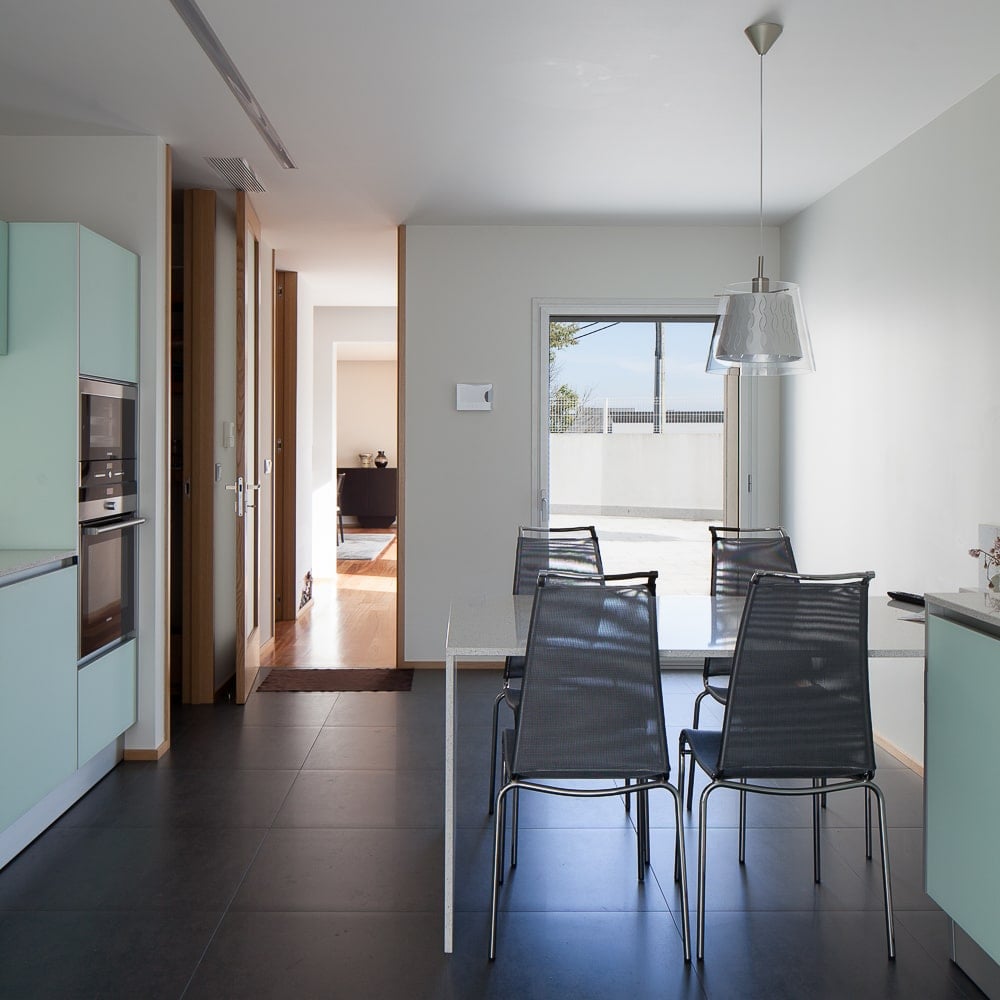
[[237, 172]]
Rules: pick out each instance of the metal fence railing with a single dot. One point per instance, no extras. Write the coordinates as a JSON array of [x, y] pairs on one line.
[[629, 415]]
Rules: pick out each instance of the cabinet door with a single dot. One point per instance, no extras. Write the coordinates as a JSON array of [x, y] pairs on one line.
[[38, 680], [107, 700], [39, 402], [961, 752], [109, 309]]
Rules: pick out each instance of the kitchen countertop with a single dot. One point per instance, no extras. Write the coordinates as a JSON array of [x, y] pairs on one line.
[[973, 604], [20, 564]]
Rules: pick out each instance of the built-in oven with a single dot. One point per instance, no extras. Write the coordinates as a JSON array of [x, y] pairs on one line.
[[108, 562], [108, 490]]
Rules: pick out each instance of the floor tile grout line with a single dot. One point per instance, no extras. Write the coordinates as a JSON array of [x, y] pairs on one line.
[[246, 871]]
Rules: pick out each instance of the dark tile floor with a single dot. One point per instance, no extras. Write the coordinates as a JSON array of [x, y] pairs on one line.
[[293, 848]]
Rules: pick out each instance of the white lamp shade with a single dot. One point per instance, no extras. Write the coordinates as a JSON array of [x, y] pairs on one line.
[[761, 333]]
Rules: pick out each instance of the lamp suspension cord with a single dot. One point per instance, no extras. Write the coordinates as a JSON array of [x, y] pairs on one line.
[[760, 172]]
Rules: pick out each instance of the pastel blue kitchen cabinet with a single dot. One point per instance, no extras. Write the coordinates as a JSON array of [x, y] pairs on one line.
[[106, 700], [109, 309], [39, 389], [3, 287], [38, 735]]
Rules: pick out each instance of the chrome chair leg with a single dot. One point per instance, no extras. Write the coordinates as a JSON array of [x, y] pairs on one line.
[[513, 827], [868, 825], [640, 808], [680, 871], [702, 860], [816, 801], [883, 836], [743, 824], [498, 825], [493, 743], [628, 797]]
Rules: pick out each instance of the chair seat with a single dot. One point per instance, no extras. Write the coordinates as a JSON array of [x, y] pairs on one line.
[[513, 668], [718, 688], [705, 745]]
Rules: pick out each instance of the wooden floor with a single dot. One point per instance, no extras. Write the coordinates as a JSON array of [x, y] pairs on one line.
[[352, 621]]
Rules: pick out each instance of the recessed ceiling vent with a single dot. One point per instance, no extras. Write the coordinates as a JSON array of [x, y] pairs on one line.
[[237, 172]]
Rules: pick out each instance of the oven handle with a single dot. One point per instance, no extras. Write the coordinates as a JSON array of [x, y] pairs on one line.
[[103, 529]]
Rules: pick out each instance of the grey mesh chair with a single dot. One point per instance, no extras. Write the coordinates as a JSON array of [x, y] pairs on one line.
[[737, 553], [591, 708], [798, 709], [573, 550]]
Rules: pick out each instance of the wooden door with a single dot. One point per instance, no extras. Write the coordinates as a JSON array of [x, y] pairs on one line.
[[247, 447]]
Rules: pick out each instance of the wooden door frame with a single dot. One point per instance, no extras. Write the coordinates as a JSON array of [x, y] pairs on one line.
[[247, 643], [400, 444], [198, 415], [285, 444]]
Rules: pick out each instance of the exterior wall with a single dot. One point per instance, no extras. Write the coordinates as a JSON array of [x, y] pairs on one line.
[[675, 474]]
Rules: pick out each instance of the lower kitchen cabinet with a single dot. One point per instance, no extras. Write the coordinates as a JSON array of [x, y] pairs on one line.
[[38, 720], [107, 700]]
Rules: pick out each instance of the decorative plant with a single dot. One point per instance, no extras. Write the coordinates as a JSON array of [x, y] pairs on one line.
[[991, 562]]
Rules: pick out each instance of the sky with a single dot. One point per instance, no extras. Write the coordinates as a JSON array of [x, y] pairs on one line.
[[617, 361]]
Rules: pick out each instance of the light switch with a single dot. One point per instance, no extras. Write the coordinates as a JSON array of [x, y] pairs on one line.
[[474, 396], [228, 434]]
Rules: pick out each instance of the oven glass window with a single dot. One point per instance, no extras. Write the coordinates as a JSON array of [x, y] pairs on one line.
[[107, 589]]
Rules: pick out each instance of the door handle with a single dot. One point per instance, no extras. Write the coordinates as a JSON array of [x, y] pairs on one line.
[[238, 489]]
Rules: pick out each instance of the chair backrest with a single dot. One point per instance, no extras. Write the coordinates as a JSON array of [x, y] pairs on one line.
[[572, 550], [591, 702], [341, 476], [737, 553], [798, 704]]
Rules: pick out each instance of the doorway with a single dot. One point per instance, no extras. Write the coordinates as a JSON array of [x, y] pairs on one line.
[[639, 441], [349, 617]]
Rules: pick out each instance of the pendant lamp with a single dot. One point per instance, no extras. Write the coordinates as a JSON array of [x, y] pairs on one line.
[[762, 327]]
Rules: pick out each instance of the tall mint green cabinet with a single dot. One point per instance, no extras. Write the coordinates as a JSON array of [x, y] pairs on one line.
[[72, 308], [961, 750], [38, 710], [109, 309], [39, 388]]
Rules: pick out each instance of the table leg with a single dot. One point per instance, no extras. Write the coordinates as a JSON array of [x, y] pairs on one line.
[[449, 802]]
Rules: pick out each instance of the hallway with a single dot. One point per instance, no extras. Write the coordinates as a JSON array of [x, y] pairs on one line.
[[352, 621]]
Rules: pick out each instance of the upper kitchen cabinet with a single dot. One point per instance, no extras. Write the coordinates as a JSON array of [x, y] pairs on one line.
[[39, 389], [109, 309]]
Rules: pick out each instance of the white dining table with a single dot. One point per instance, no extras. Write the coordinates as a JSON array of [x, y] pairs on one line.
[[690, 627]]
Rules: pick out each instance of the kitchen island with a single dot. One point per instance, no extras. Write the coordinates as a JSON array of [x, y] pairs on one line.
[[961, 748]]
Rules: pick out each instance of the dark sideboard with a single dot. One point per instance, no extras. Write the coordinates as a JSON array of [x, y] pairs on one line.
[[370, 496]]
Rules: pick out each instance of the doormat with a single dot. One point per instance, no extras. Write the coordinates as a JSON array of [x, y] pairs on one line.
[[366, 547], [332, 679]]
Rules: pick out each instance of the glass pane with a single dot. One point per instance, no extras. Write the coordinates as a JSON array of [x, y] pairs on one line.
[[636, 443]]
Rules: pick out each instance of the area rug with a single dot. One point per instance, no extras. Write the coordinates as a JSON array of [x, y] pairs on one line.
[[347, 679], [364, 547]]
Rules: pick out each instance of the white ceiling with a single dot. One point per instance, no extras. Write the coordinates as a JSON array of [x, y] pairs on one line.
[[524, 112]]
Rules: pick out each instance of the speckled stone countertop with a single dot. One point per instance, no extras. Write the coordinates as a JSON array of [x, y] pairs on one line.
[[977, 605], [20, 564]]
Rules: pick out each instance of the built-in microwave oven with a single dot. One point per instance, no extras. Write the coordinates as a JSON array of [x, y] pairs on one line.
[[107, 448]]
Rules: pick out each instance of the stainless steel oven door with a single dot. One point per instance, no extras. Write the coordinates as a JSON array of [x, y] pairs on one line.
[[107, 584]]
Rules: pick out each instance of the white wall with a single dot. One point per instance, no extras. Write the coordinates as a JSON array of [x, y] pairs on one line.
[[887, 449], [265, 406], [366, 410], [116, 186], [469, 292]]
